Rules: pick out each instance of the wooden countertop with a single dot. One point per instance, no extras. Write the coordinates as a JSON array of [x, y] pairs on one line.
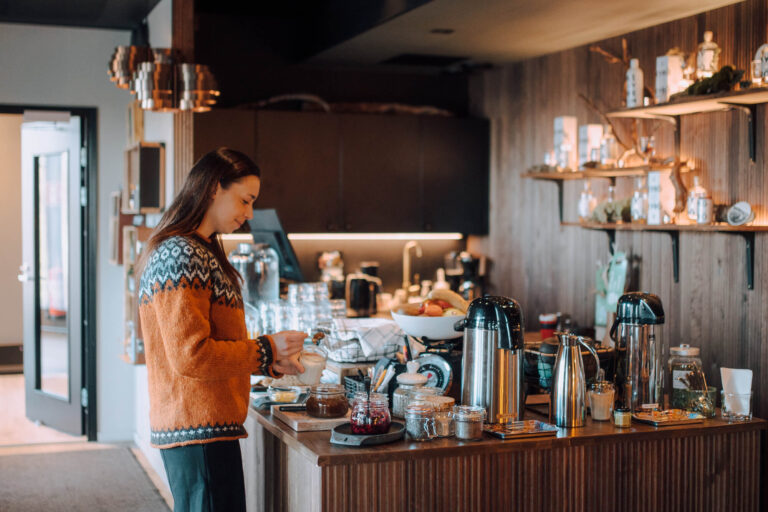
[[316, 446]]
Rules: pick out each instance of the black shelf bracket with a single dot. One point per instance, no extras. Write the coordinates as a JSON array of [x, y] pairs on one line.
[[749, 239], [560, 199], [675, 238], [611, 239]]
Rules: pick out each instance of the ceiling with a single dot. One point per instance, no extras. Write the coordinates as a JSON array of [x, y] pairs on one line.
[[111, 14], [499, 31]]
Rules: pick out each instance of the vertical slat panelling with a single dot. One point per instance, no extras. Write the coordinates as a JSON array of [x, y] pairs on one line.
[[688, 473], [183, 42], [548, 267]]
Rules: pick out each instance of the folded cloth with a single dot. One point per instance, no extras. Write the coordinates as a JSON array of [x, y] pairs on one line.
[[374, 334], [737, 383]]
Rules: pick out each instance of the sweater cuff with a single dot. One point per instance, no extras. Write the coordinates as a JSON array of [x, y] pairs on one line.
[[271, 358]]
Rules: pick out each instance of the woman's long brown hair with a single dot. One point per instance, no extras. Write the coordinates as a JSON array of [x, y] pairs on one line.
[[222, 166]]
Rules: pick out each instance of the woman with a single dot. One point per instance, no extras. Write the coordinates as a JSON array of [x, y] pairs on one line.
[[199, 357]]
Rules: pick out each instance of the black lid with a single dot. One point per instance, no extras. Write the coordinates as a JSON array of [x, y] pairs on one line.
[[639, 308], [498, 313]]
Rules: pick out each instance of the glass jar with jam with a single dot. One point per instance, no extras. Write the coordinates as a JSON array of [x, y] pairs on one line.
[[370, 416], [327, 401]]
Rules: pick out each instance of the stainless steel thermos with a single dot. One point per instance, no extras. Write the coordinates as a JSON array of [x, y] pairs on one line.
[[639, 350], [492, 359]]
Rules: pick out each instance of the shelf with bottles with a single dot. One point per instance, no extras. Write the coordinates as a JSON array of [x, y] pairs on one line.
[[674, 230], [597, 172]]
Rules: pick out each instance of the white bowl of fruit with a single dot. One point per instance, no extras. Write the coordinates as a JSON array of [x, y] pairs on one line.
[[435, 318]]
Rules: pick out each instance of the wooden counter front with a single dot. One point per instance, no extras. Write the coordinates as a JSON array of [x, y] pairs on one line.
[[709, 466]]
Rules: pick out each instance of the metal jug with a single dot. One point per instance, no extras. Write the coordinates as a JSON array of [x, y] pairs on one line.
[[569, 383], [492, 358]]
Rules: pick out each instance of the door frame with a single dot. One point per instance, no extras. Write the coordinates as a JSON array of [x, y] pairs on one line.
[[88, 137]]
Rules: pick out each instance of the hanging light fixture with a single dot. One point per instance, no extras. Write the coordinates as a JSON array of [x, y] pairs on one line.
[[160, 83]]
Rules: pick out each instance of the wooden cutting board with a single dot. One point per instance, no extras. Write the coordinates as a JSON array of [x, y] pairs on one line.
[[300, 421]]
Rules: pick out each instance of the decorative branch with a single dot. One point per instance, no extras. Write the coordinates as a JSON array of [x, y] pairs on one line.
[[607, 120]]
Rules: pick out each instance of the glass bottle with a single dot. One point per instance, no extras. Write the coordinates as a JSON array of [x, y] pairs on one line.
[[587, 202], [685, 369], [694, 194], [707, 57], [634, 84], [638, 205]]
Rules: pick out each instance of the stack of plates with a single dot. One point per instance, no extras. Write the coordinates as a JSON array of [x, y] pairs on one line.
[[197, 88], [124, 62]]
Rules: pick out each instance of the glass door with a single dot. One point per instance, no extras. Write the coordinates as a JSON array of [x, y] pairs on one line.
[[51, 272]]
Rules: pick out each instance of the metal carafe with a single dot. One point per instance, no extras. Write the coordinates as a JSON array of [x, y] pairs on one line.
[[569, 383], [636, 333], [492, 359]]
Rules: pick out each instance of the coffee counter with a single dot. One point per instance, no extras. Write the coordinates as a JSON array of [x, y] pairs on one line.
[[708, 466]]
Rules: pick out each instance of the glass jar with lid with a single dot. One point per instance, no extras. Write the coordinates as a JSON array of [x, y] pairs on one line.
[[420, 421], [686, 374], [406, 383], [370, 415], [468, 422], [443, 405], [327, 401]]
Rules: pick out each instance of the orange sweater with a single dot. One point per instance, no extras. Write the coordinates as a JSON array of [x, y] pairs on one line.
[[199, 357]]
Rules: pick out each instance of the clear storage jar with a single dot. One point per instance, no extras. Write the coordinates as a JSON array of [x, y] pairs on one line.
[[370, 416], [684, 367], [402, 397], [327, 401], [468, 422], [420, 421]]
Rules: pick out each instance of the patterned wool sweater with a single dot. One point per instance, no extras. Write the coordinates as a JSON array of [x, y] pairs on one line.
[[199, 357]]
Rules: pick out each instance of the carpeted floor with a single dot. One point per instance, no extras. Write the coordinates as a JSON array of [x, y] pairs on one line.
[[108, 479]]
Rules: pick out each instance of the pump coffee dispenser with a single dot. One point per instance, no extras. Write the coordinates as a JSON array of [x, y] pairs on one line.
[[639, 350], [492, 358]]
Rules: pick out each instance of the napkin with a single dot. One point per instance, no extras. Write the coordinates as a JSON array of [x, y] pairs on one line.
[[736, 382], [372, 333]]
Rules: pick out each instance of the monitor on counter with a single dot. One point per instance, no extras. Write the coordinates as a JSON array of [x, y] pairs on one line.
[[266, 229]]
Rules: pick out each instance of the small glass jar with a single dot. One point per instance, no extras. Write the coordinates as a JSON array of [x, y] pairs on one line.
[[468, 422], [622, 417], [370, 416], [327, 401], [443, 413], [420, 421], [601, 396]]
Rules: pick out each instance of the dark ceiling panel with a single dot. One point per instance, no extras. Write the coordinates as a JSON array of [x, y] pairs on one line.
[[112, 14]]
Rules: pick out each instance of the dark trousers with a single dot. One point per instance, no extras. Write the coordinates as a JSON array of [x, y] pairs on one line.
[[206, 477]]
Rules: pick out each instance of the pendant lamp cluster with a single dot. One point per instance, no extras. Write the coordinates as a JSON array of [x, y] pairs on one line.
[[160, 82]]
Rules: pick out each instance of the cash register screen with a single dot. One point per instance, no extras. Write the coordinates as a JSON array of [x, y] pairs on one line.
[[266, 229]]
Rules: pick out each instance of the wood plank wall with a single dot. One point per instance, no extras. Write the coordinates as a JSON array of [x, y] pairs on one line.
[[548, 267], [183, 41]]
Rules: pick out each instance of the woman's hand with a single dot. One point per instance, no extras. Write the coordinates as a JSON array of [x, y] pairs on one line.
[[288, 346], [287, 343], [290, 366]]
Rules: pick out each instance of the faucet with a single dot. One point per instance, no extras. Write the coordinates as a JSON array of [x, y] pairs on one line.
[[407, 263]]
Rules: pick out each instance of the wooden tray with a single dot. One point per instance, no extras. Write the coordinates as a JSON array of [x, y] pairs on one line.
[[663, 421], [521, 429], [300, 421]]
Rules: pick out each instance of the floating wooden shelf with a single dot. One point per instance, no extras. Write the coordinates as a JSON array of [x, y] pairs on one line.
[[609, 172], [674, 230], [696, 105], [726, 228]]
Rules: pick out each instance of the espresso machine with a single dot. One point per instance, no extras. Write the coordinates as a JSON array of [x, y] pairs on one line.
[[492, 361], [639, 350]]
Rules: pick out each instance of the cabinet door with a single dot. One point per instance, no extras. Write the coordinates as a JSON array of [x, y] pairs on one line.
[[455, 157], [380, 173], [298, 153]]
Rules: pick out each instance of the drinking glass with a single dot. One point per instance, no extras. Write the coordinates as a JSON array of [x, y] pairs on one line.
[[735, 406]]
